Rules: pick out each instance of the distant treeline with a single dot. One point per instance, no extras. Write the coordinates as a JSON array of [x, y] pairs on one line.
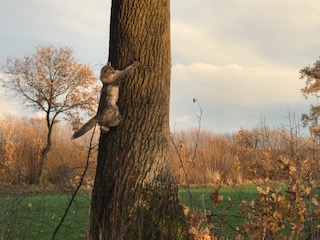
[[199, 156]]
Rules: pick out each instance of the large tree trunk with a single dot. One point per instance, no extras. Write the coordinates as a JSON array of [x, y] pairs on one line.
[[39, 179], [135, 195]]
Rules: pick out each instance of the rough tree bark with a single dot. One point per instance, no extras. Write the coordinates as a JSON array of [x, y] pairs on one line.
[[135, 195]]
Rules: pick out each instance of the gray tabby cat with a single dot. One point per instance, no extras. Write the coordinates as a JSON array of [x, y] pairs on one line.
[[108, 112]]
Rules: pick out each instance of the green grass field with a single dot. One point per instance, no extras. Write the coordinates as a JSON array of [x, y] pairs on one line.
[[36, 216], [225, 215]]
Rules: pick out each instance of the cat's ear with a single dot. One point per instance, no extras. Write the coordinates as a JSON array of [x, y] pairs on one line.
[[109, 64]]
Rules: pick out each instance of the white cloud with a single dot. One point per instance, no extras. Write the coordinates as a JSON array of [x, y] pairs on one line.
[[83, 25], [192, 44], [8, 108], [232, 95], [251, 33], [183, 122], [239, 85], [239, 58]]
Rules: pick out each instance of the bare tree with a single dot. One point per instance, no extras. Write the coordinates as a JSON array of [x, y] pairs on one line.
[[135, 195], [52, 81]]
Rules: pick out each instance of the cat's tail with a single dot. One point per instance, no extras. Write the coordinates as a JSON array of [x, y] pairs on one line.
[[85, 128]]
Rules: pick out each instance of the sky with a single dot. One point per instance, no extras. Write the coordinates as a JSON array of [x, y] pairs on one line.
[[239, 59]]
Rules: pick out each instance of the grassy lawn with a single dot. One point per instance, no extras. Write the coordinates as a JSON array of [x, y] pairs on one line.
[[36, 216], [225, 215]]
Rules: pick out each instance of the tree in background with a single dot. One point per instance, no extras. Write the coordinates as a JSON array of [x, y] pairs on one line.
[[135, 194], [52, 81], [312, 76]]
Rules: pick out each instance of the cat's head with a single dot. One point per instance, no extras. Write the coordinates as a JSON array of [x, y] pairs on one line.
[[107, 73]]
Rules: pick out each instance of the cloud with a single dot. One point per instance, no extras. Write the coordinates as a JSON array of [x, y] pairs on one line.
[[241, 59], [8, 109], [239, 85], [183, 122], [192, 44], [10, 104], [251, 33], [81, 25], [232, 95]]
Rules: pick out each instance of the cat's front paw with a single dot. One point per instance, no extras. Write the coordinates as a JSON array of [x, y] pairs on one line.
[[117, 120], [135, 64], [104, 129]]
